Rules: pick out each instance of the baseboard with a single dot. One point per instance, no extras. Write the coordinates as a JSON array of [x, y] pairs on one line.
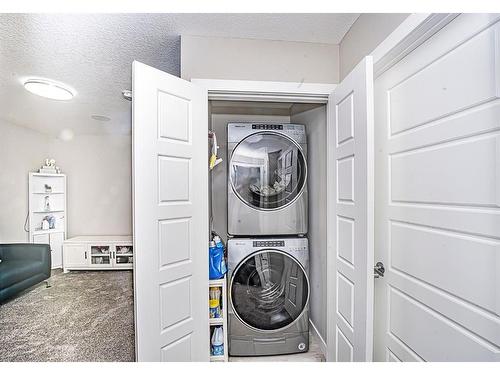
[[315, 332]]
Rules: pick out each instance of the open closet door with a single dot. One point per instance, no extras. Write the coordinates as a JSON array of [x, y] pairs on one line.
[[350, 218], [170, 217]]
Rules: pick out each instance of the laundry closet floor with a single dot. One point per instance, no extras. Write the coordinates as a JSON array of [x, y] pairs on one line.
[[313, 355]]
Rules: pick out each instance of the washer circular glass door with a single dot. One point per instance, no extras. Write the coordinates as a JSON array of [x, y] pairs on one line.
[[269, 290], [267, 170]]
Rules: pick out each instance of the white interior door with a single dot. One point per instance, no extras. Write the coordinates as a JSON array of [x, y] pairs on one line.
[[170, 214], [438, 198], [350, 255]]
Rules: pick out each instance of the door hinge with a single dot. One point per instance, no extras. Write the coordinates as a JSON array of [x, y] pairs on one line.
[[378, 270]]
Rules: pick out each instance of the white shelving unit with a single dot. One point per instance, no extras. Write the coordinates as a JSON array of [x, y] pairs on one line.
[[44, 201], [220, 322]]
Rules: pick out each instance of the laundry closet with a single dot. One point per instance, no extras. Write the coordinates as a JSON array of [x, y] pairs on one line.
[[275, 230], [178, 203]]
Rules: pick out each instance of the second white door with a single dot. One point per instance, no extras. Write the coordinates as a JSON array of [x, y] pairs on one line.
[[350, 219], [438, 198]]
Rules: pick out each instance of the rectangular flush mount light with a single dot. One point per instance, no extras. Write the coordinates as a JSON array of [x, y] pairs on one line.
[[49, 89]]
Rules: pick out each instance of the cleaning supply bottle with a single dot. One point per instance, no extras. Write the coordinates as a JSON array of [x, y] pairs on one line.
[[213, 262], [217, 347], [220, 246], [216, 261], [214, 302]]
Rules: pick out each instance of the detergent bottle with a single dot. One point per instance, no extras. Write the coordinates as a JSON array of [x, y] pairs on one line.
[[220, 246], [217, 347], [213, 260]]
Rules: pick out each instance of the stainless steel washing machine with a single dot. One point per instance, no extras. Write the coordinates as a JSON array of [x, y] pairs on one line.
[[267, 179], [268, 307]]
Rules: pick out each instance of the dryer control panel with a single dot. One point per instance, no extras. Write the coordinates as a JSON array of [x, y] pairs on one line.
[[269, 244]]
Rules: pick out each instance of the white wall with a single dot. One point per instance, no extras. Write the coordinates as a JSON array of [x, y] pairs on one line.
[[98, 169], [21, 150], [315, 121], [369, 30], [258, 60]]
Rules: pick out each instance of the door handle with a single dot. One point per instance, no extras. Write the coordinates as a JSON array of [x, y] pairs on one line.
[[378, 270], [85, 255]]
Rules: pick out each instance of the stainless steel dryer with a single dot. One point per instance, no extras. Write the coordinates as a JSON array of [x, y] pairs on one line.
[[268, 307], [267, 179]]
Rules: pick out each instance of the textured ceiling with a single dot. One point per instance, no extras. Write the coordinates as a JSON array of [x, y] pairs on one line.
[[93, 54]]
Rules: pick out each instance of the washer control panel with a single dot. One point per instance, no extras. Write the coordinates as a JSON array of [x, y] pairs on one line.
[[240, 248], [267, 126], [269, 244]]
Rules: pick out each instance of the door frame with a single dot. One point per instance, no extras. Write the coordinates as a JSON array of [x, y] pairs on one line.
[[265, 91], [268, 91], [410, 34]]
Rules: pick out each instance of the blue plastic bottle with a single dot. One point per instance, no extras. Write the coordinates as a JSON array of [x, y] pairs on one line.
[[213, 272], [220, 247]]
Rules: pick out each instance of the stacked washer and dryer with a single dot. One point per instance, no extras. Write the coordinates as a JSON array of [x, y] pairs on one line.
[[268, 253]]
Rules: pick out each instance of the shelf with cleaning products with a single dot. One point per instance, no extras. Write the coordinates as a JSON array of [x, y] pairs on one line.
[[218, 316], [217, 300]]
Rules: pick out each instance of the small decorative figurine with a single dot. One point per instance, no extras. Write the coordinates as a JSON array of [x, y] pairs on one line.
[[45, 224], [49, 166]]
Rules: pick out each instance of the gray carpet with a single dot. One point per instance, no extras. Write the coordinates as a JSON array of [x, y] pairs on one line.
[[84, 316]]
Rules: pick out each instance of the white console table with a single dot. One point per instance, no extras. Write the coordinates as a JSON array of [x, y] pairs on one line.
[[98, 253]]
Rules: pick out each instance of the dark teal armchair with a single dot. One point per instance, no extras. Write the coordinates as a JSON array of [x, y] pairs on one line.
[[22, 265]]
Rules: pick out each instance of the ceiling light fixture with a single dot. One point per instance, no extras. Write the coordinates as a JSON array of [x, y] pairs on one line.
[[49, 89]]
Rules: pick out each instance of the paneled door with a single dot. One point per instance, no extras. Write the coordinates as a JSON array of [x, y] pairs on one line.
[[437, 118], [170, 217], [350, 218]]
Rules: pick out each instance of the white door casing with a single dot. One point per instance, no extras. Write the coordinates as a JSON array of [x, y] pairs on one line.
[[350, 218], [170, 216], [437, 188]]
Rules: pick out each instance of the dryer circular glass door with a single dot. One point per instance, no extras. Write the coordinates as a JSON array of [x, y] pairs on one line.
[[267, 170], [269, 290]]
